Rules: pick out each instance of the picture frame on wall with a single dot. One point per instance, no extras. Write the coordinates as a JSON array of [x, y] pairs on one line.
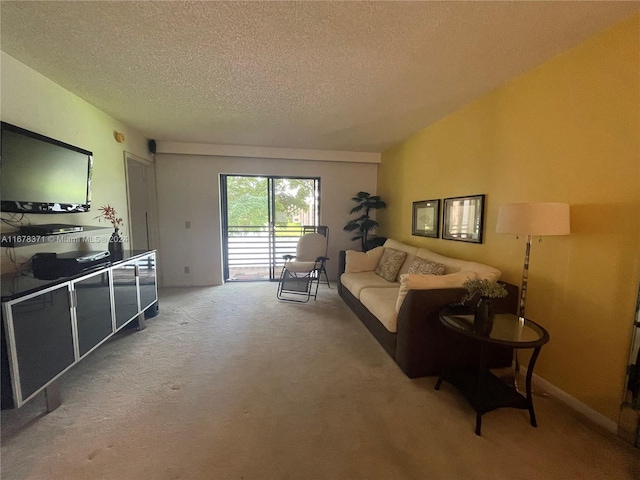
[[463, 219], [426, 218]]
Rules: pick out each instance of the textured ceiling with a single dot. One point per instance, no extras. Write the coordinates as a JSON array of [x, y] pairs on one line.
[[355, 76]]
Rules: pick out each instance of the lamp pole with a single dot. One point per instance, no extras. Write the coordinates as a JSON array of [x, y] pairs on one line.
[[521, 306], [525, 277]]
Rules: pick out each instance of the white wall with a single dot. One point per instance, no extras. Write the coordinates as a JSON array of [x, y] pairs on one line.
[[31, 101], [188, 190]]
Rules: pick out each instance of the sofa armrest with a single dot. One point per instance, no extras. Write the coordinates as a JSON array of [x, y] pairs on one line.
[[420, 346], [425, 347], [342, 262]]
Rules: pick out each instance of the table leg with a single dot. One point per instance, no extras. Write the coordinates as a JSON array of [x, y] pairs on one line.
[[532, 364], [479, 390], [142, 323], [52, 396], [445, 339], [478, 423]]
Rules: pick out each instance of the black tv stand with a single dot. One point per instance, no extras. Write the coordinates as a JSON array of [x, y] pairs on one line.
[[48, 326]]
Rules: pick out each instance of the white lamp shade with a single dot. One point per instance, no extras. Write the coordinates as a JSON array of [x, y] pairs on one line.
[[543, 218]]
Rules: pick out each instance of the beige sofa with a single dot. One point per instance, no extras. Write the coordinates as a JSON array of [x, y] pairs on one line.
[[401, 310]]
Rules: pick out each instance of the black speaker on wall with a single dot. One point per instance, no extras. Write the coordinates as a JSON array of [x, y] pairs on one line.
[[152, 146]]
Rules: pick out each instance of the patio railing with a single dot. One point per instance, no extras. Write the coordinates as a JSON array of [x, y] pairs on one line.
[[255, 253]]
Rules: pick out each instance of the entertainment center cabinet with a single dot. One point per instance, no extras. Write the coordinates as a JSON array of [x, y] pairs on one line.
[[50, 325]]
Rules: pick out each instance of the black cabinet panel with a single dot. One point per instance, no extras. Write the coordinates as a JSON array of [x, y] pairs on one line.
[[147, 274], [6, 389], [93, 311], [43, 338], [125, 292], [39, 339]]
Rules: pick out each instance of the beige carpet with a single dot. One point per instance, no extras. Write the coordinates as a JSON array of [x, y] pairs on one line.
[[229, 383]]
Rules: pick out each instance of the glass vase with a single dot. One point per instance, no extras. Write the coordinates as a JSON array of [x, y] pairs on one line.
[[483, 318]]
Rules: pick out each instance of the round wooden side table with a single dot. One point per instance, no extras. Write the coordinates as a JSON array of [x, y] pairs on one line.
[[485, 391]]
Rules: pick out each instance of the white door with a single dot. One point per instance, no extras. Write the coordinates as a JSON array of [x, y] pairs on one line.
[[141, 197]]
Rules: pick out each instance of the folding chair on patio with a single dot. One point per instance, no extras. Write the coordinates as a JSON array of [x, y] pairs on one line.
[[301, 275]]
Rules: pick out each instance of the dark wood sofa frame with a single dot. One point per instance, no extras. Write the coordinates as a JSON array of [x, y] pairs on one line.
[[422, 346]]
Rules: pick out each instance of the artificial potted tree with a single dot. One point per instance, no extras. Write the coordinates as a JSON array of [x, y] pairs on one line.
[[364, 223]]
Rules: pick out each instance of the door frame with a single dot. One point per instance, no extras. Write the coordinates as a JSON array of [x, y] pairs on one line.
[[271, 226]]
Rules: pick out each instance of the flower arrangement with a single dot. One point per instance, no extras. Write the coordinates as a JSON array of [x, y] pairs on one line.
[[483, 288], [108, 213]]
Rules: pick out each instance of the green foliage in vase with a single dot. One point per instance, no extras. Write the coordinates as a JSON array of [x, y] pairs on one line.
[[483, 288]]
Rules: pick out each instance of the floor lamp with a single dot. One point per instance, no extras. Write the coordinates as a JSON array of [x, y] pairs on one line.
[[531, 219]]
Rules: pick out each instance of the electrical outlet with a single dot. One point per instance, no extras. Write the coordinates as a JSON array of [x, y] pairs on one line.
[[186, 269]]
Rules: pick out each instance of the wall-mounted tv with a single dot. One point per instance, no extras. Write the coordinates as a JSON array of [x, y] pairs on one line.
[[43, 175]]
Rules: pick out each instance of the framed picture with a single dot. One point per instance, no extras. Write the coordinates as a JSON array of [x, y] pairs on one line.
[[426, 218], [463, 219]]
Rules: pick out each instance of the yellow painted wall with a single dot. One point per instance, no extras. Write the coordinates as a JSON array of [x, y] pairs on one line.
[[567, 131]]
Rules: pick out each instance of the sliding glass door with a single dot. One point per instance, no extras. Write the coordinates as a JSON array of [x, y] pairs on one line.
[[262, 219]]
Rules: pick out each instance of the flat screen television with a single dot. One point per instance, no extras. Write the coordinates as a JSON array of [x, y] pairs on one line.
[[42, 175]]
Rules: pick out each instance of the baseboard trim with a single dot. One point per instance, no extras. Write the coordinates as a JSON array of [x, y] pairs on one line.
[[581, 408]]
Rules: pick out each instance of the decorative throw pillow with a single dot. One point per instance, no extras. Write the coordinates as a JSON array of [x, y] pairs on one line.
[[356, 262], [425, 267], [412, 281], [390, 264]]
